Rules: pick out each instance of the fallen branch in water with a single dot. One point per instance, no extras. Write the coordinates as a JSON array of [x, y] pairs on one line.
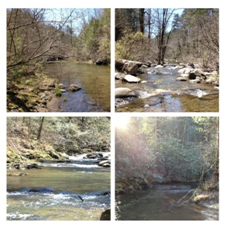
[[185, 196], [81, 198]]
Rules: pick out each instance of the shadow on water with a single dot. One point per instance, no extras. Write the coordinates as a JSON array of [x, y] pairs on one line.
[[94, 81], [158, 204]]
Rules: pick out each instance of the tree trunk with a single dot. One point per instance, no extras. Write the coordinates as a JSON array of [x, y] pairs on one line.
[[141, 20], [40, 128], [216, 170]]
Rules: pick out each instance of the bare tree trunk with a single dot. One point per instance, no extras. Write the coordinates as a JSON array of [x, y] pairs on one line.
[[216, 171], [163, 36], [141, 20], [40, 128]]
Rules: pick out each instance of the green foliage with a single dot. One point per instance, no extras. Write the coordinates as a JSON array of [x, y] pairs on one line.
[[93, 42], [133, 46], [58, 92], [165, 149]]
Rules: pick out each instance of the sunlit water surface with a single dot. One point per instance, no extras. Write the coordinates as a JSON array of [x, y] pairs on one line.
[[59, 191]]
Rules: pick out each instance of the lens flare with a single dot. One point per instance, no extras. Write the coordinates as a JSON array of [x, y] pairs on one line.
[[121, 122]]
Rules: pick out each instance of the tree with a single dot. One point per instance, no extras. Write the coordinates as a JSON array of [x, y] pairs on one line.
[[40, 128], [163, 17], [141, 19], [28, 38], [166, 149], [198, 37]]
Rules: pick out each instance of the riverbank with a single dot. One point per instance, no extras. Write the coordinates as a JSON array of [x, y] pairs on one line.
[[29, 154], [61, 86], [30, 93]]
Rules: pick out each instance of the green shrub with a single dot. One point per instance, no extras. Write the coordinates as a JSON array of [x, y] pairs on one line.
[[58, 92]]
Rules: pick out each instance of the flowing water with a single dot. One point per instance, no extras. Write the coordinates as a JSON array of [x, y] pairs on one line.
[[162, 202], [94, 81], [182, 96], [79, 190]]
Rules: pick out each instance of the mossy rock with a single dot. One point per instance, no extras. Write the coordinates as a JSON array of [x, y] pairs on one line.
[[86, 150], [42, 155], [47, 84], [54, 155], [13, 156]]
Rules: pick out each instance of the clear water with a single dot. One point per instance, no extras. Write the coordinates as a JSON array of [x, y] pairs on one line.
[[161, 204], [183, 96], [60, 188], [94, 81]]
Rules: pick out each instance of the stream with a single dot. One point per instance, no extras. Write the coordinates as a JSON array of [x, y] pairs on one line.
[[94, 81], [181, 96], [162, 202], [79, 190]]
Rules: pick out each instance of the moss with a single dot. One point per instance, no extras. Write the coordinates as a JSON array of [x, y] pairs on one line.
[[58, 92], [86, 150]]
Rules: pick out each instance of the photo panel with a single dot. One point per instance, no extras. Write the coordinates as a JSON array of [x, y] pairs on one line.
[[58, 59], [167, 60], [167, 168], [58, 168]]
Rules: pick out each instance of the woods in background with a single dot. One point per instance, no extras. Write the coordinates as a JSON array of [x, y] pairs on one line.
[[38, 138], [162, 35], [159, 150], [37, 35]]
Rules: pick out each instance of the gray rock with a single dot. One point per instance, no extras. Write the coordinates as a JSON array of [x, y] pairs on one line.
[[119, 76], [102, 163], [74, 87], [159, 66], [127, 67], [124, 92], [61, 86], [131, 79]]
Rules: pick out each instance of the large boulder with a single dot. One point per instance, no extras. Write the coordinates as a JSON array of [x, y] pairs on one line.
[[131, 79], [122, 92], [127, 67], [131, 68]]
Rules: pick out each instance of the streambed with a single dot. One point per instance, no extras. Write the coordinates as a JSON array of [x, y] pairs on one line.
[[181, 96], [94, 80]]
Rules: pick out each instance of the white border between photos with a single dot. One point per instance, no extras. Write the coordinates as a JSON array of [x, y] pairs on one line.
[[110, 4]]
